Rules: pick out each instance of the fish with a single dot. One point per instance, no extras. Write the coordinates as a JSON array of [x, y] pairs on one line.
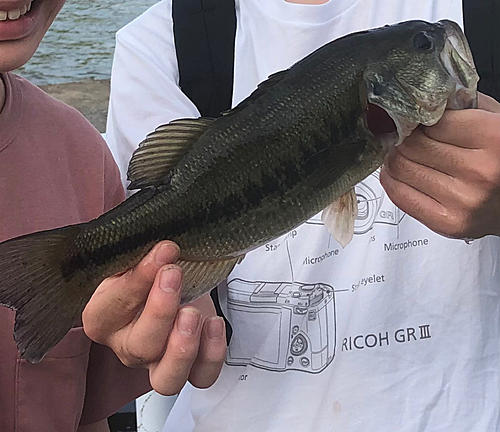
[[221, 187]]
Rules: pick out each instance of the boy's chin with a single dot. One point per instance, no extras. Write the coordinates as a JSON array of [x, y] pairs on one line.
[[19, 39], [16, 55]]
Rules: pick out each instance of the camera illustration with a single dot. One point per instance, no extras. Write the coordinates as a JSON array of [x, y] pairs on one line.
[[281, 326], [373, 207]]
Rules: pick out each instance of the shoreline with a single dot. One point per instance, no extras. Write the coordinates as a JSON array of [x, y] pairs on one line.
[[90, 97]]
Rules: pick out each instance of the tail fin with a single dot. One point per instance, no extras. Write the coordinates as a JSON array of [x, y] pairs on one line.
[[31, 282]]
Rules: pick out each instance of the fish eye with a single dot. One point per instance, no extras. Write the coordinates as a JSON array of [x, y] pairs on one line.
[[423, 41]]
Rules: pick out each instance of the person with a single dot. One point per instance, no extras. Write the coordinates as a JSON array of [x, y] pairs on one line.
[[399, 331], [55, 170]]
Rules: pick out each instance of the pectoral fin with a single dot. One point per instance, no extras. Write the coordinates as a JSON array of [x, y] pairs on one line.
[[339, 217], [201, 276]]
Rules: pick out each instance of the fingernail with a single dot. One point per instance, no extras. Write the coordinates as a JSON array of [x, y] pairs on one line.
[[215, 328], [170, 279], [188, 320], [165, 253]]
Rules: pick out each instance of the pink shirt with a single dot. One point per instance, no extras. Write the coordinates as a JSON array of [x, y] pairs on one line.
[[55, 170]]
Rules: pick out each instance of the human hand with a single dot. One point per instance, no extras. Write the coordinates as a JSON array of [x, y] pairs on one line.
[[137, 315], [447, 176]]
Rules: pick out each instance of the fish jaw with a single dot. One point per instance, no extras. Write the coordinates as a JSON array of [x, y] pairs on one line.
[[402, 105], [458, 61]]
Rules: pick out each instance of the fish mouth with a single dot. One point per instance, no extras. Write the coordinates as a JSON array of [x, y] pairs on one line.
[[386, 128], [391, 126], [457, 59]]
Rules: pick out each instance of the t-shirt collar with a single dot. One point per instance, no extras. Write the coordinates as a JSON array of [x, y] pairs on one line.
[[306, 13]]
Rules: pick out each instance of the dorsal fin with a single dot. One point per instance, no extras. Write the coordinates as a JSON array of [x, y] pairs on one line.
[[162, 150], [261, 89]]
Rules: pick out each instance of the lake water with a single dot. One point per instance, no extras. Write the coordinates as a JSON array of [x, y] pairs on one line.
[[81, 41]]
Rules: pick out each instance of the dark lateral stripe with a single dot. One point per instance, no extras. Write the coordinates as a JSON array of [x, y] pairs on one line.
[[276, 183], [314, 158], [107, 253]]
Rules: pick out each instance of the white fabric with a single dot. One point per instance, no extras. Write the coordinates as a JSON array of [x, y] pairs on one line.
[[397, 332]]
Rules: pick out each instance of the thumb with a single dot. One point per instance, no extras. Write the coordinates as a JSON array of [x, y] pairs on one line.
[[118, 299]]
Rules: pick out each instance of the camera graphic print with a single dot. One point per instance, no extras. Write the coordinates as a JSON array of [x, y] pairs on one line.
[[296, 323], [282, 300], [373, 207]]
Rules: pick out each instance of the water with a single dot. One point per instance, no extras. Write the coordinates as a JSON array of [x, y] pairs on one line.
[[80, 43]]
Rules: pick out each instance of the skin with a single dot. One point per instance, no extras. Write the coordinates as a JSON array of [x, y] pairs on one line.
[[15, 53], [448, 176], [144, 326]]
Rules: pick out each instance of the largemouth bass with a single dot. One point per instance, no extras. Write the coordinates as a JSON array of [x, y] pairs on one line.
[[223, 187]]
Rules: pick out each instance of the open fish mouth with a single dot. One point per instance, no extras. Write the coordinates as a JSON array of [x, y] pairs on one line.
[[388, 127]]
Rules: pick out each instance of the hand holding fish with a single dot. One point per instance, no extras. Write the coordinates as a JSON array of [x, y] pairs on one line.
[[137, 315], [448, 176]]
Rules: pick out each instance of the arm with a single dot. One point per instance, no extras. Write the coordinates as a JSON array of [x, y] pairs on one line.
[[448, 176]]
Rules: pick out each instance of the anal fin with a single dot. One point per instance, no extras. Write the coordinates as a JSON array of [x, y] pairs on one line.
[[201, 276], [339, 217]]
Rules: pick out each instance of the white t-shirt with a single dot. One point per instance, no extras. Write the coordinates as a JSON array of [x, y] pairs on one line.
[[399, 331]]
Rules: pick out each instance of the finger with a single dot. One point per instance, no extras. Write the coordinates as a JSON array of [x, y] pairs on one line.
[[467, 166], [144, 341], [435, 184], [465, 128], [170, 374], [415, 203], [117, 300], [487, 103], [440, 156], [211, 354], [205, 305]]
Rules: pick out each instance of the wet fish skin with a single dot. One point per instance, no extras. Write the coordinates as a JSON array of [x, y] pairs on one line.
[[220, 188]]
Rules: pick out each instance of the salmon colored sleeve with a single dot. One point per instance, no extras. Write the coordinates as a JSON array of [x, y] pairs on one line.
[[110, 385], [114, 193]]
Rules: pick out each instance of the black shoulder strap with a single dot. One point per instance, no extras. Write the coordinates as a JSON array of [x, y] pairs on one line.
[[204, 32], [482, 28]]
